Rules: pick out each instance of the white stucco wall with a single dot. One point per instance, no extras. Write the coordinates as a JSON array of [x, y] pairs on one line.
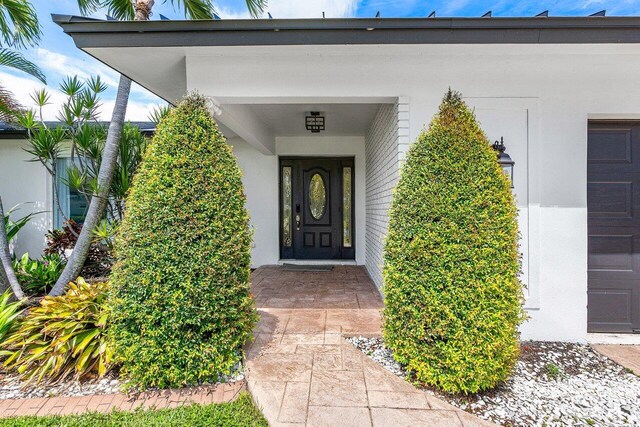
[[260, 179], [25, 183]]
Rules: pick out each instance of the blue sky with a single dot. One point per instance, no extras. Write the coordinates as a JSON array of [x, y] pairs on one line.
[[58, 56]]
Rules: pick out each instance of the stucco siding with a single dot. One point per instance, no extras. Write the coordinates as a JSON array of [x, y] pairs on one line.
[[26, 184]]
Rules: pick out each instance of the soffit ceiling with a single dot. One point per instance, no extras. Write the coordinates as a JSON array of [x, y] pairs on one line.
[[340, 119]]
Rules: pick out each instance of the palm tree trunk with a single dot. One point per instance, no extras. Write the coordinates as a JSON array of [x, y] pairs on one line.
[[99, 200], [143, 9], [105, 175], [7, 275]]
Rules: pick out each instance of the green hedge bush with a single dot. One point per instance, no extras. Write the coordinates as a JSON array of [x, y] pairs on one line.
[[453, 300], [180, 300]]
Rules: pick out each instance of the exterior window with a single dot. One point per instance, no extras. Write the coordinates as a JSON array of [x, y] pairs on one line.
[[317, 196], [72, 204], [346, 203], [286, 206]]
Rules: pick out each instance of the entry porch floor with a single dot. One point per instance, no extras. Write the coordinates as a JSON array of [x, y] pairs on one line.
[[301, 371]]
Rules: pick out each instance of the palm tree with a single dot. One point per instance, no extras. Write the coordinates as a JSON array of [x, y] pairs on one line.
[[19, 28], [140, 10]]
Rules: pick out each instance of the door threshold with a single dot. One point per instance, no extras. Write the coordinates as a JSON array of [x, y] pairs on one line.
[[613, 338], [318, 261]]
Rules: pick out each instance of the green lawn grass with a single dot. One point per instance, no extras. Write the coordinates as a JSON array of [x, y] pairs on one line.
[[241, 413]]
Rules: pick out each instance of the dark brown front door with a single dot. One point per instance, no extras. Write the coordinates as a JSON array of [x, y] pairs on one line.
[[316, 210], [613, 202]]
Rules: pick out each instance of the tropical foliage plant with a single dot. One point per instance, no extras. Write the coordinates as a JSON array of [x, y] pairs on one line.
[[180, 303], [12, 227], [98, 264], [38, 276], [9, 312], [453, 300], [62, 338], [81, 137]]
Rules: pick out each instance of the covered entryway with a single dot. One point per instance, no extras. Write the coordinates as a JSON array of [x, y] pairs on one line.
[[613, 200], [316, 209]]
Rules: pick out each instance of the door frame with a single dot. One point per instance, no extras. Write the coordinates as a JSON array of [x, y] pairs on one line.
[[594, 275], [352, 161]]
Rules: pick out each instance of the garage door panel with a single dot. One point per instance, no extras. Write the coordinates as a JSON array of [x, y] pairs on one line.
[[610, 305], [610, 145], [612, 253], [611, 199], [613, 203]]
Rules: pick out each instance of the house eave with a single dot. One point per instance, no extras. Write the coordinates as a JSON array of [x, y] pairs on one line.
[[92, 33]]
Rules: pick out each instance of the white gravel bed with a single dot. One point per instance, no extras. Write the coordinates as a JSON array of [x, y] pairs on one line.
[[11, 387], [554, 384]]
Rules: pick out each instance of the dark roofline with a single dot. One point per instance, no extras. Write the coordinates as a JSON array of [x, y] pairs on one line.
[[9, 131], [92, 33]]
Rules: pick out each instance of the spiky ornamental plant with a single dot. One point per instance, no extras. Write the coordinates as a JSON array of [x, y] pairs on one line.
[[453, 300], [180, 301]]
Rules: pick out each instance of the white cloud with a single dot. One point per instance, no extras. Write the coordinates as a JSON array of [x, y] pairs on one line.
[[23, 87], [301, 9], [63, 65], [60, 65]]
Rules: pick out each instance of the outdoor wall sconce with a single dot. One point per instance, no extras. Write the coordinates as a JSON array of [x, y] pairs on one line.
[[314, 122], [504, 159]]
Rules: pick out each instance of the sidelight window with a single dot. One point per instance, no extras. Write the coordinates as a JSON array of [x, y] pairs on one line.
[[286, 206], [346, 203]]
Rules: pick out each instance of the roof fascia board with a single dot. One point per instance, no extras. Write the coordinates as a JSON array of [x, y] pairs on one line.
[[89, 33]]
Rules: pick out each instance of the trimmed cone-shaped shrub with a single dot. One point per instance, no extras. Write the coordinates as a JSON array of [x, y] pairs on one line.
[[180, 301], [453, 300]]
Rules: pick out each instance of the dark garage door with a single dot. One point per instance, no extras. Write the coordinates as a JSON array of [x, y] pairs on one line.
[[613, 201]]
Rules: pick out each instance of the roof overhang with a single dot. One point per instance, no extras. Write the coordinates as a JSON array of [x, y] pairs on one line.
[[94, 33], [150, 51], [171, 57]]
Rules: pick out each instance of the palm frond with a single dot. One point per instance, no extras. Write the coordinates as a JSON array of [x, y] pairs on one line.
[[87, 7], [9, 106], [158, 113], [256, 7], [122, 10], [196, 9], [12, 59], [19, 26]]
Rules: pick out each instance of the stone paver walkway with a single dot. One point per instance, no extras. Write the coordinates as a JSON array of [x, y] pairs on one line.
[[625, 355], [301, 371], [105, 403]]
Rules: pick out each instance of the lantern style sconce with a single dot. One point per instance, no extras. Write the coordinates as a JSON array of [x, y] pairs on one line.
[[314, 122], [506, 163]]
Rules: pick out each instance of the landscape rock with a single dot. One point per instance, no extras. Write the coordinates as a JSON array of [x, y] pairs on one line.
[[589, 389]]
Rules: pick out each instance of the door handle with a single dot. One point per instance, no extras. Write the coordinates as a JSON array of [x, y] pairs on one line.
[[298, 222]]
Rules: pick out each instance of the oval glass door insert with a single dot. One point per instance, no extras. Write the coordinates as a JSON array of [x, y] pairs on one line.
[[317, 196]]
